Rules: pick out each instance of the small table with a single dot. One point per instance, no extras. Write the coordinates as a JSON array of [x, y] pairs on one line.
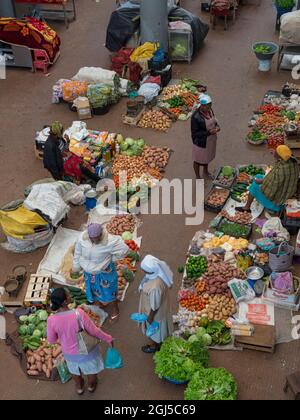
[[64, 12]]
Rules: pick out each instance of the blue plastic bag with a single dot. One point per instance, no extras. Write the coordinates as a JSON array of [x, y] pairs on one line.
[[152, 329], [140, 318], [113, 359]]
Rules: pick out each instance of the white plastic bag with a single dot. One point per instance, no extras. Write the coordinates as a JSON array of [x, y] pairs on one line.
[[149, 91], [274, 226]]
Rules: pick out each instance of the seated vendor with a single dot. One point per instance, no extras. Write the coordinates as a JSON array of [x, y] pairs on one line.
[[273, 190], [77, 171]]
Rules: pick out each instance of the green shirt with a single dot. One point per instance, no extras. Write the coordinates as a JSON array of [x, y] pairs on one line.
[[281, 182]]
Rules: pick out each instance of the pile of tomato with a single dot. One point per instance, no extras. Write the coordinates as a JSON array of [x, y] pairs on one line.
[[193, 302]]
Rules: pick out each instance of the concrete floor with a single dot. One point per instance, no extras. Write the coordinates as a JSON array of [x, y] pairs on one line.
[[229, 69]]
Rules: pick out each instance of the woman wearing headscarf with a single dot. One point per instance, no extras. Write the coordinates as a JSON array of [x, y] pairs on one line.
[[95, 253], [204, 127], [53, 153], [63, 326], [279, 185], [155, 300]]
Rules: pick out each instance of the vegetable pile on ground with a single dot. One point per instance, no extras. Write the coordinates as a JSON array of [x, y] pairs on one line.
[[257, 136], [170, 91], [252, 170], [239, 217], [42, 360], [178, 359], [156, 120], [234, 229], [211, 384], [120, 224], [133, 166], [78, 296], [156, 157], [196, 266], [226, 242], [220, 308], [33, 329], [217, 197], [192, 302], [130, 147], [226, 176], [239, 192]]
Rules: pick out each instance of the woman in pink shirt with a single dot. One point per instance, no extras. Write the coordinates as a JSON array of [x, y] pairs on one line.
[[63, 326]]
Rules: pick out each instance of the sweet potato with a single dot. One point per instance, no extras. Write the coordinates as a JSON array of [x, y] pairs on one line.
[[32, 372]]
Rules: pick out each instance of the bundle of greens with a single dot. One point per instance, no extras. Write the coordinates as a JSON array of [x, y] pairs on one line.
[[179, 360], [211, 384]]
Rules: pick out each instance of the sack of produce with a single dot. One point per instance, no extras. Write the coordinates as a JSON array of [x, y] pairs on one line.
[[99, 95], [73, 89]]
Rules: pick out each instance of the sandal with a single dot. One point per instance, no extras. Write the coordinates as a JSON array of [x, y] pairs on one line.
[[149, 350], [80, 391], [92, 389]]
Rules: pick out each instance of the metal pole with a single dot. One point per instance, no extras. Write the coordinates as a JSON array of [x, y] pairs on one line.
[[154, 22]]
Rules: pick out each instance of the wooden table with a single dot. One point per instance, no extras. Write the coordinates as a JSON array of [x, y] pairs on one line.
[[62, 4]]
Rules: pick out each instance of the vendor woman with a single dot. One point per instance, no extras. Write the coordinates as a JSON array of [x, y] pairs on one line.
[[204, 128], [155, 300], [95, 253], [273, 190], [53, 153]]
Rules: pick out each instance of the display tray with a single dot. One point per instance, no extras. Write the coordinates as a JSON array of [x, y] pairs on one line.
[[211, 208], [229, 185], [244, 236]]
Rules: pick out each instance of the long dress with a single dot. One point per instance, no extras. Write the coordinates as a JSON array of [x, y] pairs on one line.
[[155, 295], [204, 144]]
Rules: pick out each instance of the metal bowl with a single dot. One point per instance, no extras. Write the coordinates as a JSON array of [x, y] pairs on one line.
[[255, 273]]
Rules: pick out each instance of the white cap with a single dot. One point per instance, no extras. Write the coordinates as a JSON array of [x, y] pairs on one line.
[[205, 100]]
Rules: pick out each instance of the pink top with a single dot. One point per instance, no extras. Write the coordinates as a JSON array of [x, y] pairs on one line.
[[64, 327]]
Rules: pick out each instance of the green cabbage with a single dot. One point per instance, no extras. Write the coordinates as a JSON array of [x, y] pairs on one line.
[[37, 333], [129, 141], [211, 384], [141, 143], [42, 315], [123, 146], [23, 330], [23, 319], [127, 236], [179, 360]]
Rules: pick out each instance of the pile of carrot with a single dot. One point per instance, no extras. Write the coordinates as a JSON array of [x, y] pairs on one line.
[[189, 99]]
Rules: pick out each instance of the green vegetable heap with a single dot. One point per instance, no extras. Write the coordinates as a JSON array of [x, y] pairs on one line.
[[179, 360], [211, 384], [252, 170], [33, 329], [234, 229], [196, 267], [176, 102]]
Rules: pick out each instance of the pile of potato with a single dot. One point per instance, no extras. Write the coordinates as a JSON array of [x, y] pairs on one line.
[[170, 91], [42, 360], [156, 120], [220, 308], [156, 157], [217, 277], [218, 197], [239, 217], [120, 224], [134, 166]]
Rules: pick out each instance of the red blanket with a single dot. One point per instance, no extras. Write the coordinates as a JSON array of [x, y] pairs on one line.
[[31, 33]]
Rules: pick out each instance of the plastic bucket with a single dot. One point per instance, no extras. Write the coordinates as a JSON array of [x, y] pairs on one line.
[[264, 65], [90, 200], [90, 203]]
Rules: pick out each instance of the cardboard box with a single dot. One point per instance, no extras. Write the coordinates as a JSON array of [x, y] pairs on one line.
[[83, 108]]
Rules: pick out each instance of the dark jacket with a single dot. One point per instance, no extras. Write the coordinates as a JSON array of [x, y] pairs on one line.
[[53, 158], [199, 131]]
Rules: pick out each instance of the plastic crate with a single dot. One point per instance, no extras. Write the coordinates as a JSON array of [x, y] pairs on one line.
[[211, 208], [229, 185], [184, 38]]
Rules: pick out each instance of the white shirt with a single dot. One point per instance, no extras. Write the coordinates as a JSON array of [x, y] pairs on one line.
[[94, 258]]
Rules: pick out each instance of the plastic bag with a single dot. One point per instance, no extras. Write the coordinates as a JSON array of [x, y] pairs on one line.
[[152, 329], [140, 318], [149, 91], [63, 371], [273, 228], [113, 359]]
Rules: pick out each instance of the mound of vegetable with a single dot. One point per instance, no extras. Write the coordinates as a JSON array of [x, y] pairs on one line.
[[33, 329], [179, 360], [211, 384]]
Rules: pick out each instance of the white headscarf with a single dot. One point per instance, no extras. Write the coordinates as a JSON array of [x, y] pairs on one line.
[[156, 268]]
